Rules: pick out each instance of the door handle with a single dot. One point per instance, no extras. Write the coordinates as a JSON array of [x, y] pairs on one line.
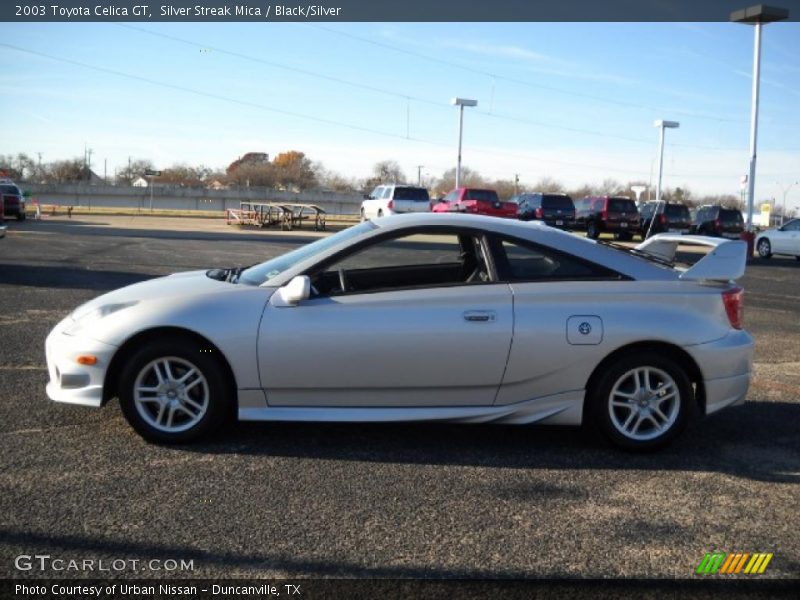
[[480, 316]]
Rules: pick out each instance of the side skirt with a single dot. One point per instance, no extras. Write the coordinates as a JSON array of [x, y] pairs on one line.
[[559, 409]]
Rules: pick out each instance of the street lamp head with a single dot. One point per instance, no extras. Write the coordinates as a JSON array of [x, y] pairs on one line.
[[463, 102], [759, 13], [666, 124]]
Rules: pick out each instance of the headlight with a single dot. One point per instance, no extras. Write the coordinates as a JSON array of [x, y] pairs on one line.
[[96, 314]]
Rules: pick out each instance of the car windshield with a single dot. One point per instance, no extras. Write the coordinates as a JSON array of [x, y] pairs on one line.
[[411, 193], [481, 195], [562, 202], [677, 211], [263, 272], [730, 216]]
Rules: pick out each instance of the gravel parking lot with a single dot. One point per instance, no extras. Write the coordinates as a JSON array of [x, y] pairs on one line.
[[306, 500]]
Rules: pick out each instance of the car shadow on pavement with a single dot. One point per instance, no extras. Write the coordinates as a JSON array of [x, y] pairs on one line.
[[68, 277], [757, 440], [786, 262]]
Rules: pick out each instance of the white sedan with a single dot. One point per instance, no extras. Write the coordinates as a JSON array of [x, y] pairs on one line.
[[444, 317], [783, 240]]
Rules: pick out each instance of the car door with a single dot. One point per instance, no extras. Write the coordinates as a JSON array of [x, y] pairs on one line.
[[787, 239], [418, 324], [558, 320]]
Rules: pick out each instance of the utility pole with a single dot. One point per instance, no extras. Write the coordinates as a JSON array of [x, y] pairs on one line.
[[419, 175], [516, 183]]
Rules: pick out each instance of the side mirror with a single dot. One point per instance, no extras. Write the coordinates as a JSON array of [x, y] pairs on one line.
[[293, 293]]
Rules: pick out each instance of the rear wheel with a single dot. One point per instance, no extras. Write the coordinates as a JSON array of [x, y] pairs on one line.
[[764, 248], [174, 391], [380, 212], [642, 401], [591, 230]]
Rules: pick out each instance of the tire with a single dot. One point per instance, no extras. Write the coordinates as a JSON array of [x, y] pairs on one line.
[[21, 216], [591, 230], [380, 213], [629, 414], [764, 248], [175, 410]]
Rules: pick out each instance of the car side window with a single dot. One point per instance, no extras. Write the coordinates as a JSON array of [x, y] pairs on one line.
[[792, 226], [387, 192], [410, 261], [520, 260], [451, 197], [376, 193]]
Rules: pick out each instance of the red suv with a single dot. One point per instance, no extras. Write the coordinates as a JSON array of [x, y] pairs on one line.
[[475, 201]]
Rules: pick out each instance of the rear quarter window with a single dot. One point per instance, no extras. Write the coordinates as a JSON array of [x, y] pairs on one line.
[[481, 195], [418, 194], [562, 202], [621, 205]]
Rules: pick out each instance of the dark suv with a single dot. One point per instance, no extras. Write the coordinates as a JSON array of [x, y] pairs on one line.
[[556, 210], [607, 214], [670, 217], [718, 221], [13, 201]]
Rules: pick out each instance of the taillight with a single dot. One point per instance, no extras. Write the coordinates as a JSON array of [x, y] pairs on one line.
[[390, 206], [539, 213], [734, 307]]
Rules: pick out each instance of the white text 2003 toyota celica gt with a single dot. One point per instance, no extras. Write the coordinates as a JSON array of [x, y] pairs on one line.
[[422, 317]]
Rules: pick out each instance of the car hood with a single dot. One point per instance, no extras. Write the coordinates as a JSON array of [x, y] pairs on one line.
[[190, 283]]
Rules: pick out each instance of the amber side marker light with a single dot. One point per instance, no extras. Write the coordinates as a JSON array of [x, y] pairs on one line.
[[87, 360]]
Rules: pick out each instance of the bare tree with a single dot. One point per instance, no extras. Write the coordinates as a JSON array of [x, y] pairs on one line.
[[133, 170]]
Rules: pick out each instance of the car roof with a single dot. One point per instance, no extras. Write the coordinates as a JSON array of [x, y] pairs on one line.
[[537, 232]]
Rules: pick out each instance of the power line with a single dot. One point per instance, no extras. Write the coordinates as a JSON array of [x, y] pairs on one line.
[[409, 98], [330, 121], [513, 79]]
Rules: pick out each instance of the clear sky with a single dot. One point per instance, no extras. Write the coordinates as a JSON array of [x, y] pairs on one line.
[[575, 102]]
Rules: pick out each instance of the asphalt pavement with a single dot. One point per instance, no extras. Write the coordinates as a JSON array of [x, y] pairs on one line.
[[410, 500]]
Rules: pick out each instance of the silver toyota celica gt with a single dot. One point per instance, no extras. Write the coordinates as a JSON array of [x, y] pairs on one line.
[[445, 317]]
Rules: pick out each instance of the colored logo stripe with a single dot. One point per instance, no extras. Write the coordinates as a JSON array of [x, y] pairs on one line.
[[734, 563]]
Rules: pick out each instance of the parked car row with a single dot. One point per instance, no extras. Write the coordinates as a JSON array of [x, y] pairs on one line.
[[616, 215]]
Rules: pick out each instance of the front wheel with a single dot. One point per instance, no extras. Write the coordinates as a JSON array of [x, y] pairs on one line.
[[642, 401], [174, 391], [764, 248]]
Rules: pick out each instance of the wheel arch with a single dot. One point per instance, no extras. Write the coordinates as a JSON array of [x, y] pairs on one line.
[[111, 381], [676, 353]]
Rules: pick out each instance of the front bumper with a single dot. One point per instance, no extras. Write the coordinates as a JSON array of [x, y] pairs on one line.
[[71, 382], [727, 366]]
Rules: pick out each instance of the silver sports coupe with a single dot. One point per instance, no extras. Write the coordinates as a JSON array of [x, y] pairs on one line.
[[444, 317]]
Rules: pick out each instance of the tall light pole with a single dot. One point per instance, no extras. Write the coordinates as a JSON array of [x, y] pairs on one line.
[[755, 15], [461, 103], [419, 175], [662, 125], [785, 191]]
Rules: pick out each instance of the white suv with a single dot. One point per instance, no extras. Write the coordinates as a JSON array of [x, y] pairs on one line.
[[392, 199]]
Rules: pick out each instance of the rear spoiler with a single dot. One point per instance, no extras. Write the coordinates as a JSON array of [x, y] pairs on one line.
[[725, 262]]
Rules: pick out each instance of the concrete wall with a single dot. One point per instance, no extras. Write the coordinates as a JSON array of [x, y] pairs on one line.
[[178, 198]]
